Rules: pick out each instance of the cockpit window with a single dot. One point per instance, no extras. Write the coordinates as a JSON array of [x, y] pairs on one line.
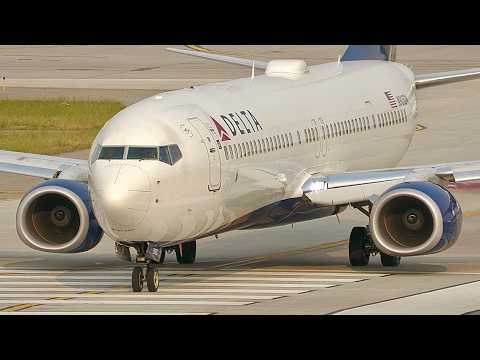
[[175, 153], [169, 154], [111, 153], [142, 153]]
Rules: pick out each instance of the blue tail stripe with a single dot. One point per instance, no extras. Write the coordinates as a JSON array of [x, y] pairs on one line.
[[368, 52]]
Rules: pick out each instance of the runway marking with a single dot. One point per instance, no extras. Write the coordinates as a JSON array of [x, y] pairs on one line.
[[101, 313], [106, 283], [283, 254], [213, 284], [471, 213], [161, 290], [133, 302], [181, 278], [146, 295], [204, 272], [19, 307]]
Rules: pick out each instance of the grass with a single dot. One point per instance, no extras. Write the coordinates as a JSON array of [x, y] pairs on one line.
[[52, 126]]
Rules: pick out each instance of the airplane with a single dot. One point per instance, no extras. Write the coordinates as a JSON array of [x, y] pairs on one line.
[[296, 143]]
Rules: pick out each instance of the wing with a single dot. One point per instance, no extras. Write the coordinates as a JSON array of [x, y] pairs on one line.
[[222, 58], [365, 186], [446, 77], [43, 166]]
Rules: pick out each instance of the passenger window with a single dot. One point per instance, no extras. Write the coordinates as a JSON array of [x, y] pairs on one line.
[[248, 148], [271, 144], [283, 141], [368, 122], [291, 139], [255, 146], [111, 153], [231, 151], [374, 121], [275, 142], [263, 144], [299, 138], [244, 150], [226, 152], [236, 151]]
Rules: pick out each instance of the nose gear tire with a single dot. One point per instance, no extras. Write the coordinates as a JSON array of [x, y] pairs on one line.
[[137, 279]]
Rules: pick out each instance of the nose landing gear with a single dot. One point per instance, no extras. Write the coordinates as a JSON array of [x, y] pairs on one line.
[[151, 275]]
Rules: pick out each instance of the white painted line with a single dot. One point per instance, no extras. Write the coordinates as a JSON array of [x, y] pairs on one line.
[[255, 278], [95, 313], [178, 278], [66, 277], [277, 285], [453, 300], [161, 290], [199, 272], [144, 295], [130, 302], [65, 283], [200, 284]]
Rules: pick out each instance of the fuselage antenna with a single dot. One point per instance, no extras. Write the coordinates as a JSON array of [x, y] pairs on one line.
[[253, 69]]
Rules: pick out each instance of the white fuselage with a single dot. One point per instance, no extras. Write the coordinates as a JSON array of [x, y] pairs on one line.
[[247, 145]]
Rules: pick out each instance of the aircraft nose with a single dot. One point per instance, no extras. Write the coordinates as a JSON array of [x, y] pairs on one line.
[[124, 194]]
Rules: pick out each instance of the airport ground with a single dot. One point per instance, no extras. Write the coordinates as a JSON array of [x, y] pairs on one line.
[[288, 270]]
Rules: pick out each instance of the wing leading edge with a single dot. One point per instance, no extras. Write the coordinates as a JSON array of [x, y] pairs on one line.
[[43, 166], [366, 186]]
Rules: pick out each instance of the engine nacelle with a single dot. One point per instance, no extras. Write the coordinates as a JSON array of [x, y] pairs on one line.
[[415, 218], [57, 216]]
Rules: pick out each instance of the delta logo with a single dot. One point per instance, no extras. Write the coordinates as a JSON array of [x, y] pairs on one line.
[[239, 123], [221, 131]]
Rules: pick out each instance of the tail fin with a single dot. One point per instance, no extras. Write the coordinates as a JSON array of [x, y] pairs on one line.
[[370, 52]]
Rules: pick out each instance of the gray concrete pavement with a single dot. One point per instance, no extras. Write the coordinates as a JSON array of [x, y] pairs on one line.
[[275, 271]]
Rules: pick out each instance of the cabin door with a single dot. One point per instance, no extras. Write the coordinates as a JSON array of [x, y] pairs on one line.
[[212, 147]]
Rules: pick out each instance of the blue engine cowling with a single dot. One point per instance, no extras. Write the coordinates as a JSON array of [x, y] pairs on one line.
[[57, 216], [415, 218]]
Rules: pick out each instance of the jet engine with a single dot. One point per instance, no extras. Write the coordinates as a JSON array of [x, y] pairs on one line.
[[415, 218], [57, 216]]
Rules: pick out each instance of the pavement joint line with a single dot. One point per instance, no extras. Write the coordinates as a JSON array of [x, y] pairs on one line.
[[338, 312]]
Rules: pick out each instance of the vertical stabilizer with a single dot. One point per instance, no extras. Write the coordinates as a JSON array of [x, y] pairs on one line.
[[370, 52]]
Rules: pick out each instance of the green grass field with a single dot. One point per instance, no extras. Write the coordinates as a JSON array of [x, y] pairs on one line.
[[52, 126]]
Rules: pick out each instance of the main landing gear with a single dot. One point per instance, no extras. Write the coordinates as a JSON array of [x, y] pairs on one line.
[[361, 247], [149, 256]]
